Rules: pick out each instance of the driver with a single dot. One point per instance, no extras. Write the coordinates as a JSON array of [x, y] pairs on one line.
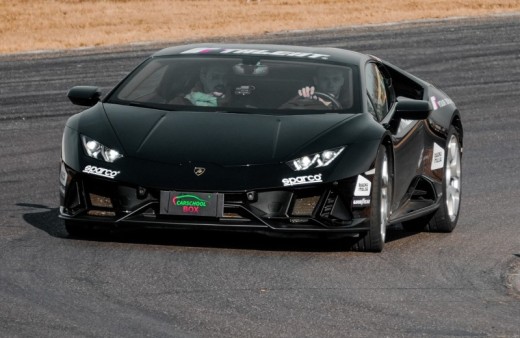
[[210, 91], [326, 80]]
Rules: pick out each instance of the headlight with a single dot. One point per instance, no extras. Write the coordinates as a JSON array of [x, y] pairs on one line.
[[317, 160], [98, 151]]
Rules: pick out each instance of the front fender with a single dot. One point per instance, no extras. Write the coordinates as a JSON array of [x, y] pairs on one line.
[[357, 158], [93, 123]]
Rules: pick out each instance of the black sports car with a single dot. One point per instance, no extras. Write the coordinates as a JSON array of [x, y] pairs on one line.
[[265, 138]]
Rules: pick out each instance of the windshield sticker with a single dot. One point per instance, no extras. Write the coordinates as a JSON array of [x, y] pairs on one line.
[[244, 90], [438, 157], [200, 50], [363, 186], [91, 169], [302, 180], [207, 50]]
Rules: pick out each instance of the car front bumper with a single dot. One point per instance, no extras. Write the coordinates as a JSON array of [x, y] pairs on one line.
[[325, 208]]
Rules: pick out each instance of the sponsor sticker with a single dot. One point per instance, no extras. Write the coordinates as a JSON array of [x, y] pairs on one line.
[[290, 181], [433, 100], [361, 202], [207, 50], [191, 203], [244, 90], [436, 103], [363, 186], [103, 172], [438, 157]]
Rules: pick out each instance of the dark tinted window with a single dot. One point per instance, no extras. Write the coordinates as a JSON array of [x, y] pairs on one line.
[[240, 83], [376, 91]]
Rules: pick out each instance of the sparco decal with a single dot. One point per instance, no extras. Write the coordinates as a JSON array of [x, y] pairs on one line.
[[93, 170], [302, 180]]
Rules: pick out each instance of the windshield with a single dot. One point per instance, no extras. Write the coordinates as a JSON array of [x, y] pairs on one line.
[[250, 84]]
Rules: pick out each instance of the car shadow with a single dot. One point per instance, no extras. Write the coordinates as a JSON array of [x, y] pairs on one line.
[[46, 219]]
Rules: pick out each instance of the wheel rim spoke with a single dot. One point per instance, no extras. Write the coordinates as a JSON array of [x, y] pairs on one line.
[[384, 196], [452, 178]]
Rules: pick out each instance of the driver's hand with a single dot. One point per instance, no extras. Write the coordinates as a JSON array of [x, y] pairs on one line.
[[308, 92]]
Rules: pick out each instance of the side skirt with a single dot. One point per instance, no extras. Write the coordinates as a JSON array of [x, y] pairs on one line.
[[402, 215]]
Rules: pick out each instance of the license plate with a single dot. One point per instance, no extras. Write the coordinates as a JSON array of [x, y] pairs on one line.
[[182, 203]]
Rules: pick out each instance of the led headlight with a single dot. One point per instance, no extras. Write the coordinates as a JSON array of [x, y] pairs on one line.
[[316, 160], [98, 151]]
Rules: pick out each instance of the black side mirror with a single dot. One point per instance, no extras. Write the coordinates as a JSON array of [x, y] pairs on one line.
[[409, 109], [84, 95]]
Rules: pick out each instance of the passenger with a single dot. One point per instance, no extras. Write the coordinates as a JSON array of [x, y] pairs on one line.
[[210, 91]]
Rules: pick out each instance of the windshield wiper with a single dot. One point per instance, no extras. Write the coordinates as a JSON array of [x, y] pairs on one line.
[[160, 106], [139, 104]]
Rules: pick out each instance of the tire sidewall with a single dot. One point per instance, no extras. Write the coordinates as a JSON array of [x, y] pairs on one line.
[[441, 220]]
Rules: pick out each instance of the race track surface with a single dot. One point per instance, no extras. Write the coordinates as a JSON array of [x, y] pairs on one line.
[[167, 283]]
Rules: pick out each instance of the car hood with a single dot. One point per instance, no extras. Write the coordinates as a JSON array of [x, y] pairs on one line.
[[227, 139]]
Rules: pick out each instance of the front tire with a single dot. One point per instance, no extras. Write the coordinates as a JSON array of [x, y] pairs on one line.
[[446, 217], [374, 239]]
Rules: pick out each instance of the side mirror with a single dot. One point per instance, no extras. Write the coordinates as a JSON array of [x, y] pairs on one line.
[[84, 95], [409, 109]]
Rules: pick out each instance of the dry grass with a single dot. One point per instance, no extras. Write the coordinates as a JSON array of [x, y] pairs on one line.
[[57, 24]]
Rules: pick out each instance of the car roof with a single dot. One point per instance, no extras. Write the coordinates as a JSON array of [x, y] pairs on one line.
[[288, 52]]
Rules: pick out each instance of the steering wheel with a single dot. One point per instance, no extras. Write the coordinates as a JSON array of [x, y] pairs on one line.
[[328, 97]]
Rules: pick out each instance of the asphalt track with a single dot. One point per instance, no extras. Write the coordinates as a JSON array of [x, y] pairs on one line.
[[165, 283]]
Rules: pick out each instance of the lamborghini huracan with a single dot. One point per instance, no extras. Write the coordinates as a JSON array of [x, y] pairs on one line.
[[264, 138]]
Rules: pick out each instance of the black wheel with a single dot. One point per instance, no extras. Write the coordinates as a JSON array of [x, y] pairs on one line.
[[446, 217], [374, 239]]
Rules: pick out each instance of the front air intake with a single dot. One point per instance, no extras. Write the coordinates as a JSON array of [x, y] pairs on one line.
[[304, 206]]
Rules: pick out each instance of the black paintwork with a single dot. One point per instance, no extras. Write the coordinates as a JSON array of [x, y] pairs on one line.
[[247, 153]]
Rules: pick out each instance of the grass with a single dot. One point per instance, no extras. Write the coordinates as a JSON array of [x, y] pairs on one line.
[[59, 24]]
